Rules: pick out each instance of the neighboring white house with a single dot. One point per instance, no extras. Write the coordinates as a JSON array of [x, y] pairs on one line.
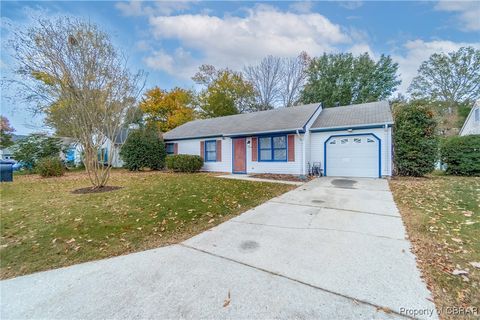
[[348, 141], [472, 123], [109, 149], [7, 153]]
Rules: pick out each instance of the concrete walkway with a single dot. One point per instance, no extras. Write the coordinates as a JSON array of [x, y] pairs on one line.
[[249, 178], [331, 249]]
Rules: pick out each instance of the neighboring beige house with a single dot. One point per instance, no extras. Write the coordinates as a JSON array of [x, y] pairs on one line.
[[472, 123]]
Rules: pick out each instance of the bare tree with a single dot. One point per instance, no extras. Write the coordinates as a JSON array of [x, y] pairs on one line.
[[293, 78], [278, 81], [265, 78], [71, 71]]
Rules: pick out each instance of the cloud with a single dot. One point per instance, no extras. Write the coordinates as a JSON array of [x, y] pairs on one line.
[[234, 41], [417, 51], [468, 13], [361, 48], [350, 5], [140, 8], [301, 6], [180, 63]]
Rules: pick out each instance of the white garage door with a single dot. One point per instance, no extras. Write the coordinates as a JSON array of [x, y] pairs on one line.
[[352, 156]]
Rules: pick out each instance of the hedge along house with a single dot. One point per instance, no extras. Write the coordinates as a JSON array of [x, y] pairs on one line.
[[351, 141]]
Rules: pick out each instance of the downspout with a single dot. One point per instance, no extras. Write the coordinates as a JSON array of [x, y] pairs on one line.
[[387, 147]]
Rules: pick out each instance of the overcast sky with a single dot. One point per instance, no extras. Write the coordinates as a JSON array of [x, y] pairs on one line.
[[170, 40]]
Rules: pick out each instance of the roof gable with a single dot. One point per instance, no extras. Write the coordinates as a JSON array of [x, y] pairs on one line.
[[354, 115], [469, 120]]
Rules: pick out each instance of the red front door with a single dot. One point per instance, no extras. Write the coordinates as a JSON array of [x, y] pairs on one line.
[[239, 155]]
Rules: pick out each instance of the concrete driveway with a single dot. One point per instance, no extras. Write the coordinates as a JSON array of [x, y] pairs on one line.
[[331, 249]]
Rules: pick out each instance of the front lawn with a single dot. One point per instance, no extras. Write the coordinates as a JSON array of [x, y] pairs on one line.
[[45, 226], [442, 216]]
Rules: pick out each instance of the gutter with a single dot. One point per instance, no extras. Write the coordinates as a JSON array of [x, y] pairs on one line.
[[356, 127], [241, 134]]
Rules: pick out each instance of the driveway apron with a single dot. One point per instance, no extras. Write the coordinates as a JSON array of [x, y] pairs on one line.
[[334, 248]]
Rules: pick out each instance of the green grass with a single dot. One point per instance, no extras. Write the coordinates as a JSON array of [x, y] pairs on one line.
[[442, 216], [45, 226]]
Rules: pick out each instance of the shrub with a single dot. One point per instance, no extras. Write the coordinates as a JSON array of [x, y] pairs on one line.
[[50, 167], [35, 147], [143, 149], [461, 155], [184, 162], [415, 140]]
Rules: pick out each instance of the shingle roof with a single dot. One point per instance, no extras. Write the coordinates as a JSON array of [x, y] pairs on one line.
[[354, 115], [281, 119]]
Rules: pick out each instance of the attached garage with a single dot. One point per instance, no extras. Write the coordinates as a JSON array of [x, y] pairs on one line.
[[353, 141], [352, 156]]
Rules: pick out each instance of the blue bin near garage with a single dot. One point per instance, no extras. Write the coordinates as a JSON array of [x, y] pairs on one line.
[[6, 171]]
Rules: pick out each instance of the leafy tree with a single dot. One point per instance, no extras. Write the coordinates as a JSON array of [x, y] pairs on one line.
[[344, 79], [72, 72], [5, 133], [453, 77], [143, 149], [35, 147], [225, 92], [415, 140], [167, 109]]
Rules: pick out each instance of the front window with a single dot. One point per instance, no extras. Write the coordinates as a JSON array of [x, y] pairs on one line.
[[273, 148], [211, 150], [170, 148]]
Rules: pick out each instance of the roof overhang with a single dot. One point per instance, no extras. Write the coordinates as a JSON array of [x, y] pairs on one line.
[[241, 134], [193, 137], [260, 133], [355, 127]]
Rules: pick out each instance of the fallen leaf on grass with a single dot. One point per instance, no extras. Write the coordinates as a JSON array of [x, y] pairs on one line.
[[475, 264], [71, 240], [227, 301], [211, 220]]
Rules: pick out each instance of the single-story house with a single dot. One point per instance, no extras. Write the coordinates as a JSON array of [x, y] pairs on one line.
[[348, 141], [472, 123]]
